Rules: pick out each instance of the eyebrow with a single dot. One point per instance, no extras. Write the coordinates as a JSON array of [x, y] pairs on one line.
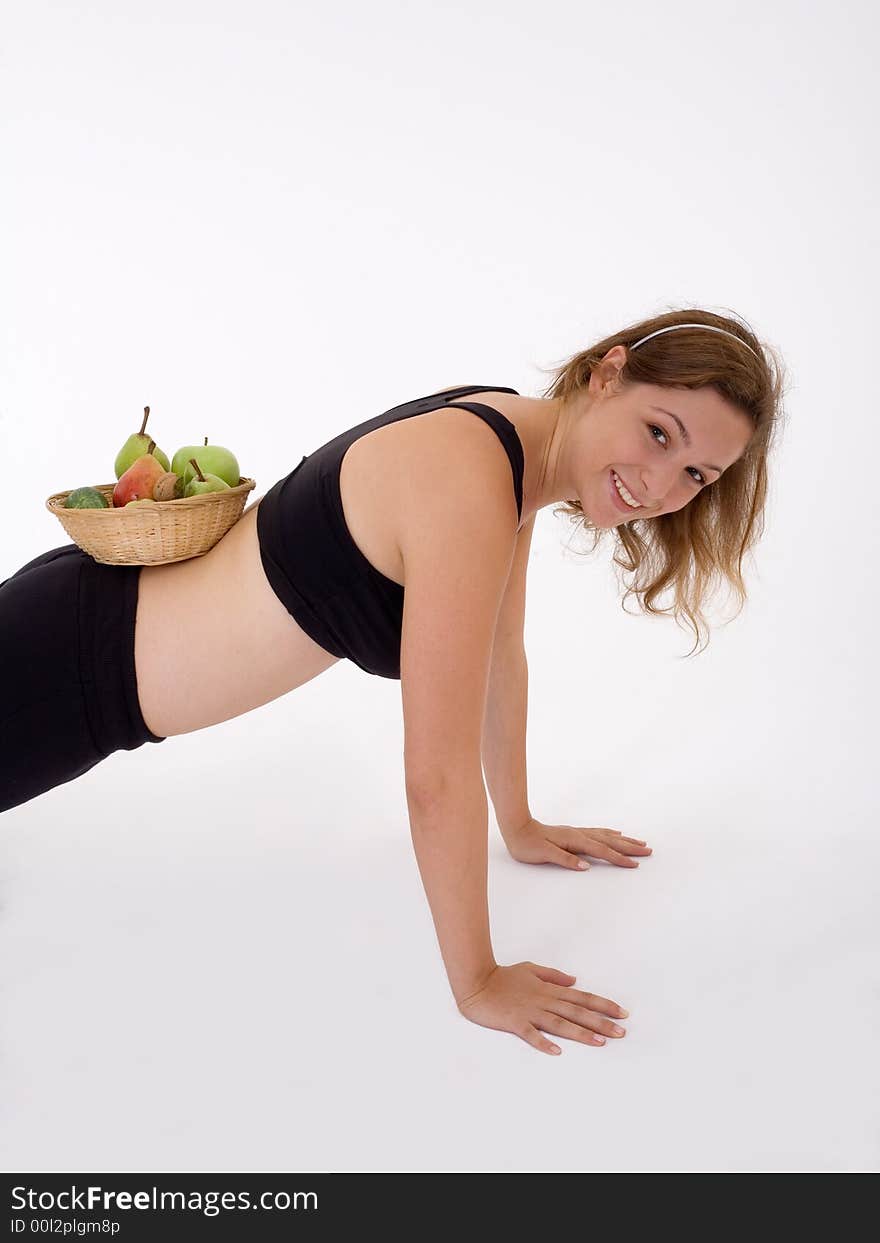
[[685, 435]]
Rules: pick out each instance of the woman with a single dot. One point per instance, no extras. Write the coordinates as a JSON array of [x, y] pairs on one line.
[[659, 433]]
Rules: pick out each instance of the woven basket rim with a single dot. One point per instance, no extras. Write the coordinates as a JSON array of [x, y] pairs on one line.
[[54, 501]]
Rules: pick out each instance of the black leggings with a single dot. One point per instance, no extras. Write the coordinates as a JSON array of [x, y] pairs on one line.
[[68, 692]]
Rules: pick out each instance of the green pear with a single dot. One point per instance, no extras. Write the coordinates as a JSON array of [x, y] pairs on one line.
[[141, 500], [137, 445], [86, 498], [212, 458], [201, 483]]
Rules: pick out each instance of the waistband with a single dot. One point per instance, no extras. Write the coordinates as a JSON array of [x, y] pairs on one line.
[[107, 611]]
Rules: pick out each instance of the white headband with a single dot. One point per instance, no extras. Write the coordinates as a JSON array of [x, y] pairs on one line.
[[708, 327]]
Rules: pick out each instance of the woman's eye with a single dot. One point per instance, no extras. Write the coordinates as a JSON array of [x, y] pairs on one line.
[[654, 428]]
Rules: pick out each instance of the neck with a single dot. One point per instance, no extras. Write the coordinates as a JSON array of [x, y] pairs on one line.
[[549, 477]]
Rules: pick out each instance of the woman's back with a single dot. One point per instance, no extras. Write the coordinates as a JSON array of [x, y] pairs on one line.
[[214, 640]]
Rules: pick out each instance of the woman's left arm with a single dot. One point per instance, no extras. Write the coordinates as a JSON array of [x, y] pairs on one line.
[[503, 747], [504, 737], [504, 722], [504, 764]]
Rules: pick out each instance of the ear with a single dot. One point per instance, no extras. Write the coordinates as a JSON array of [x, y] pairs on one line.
[[603, 380]]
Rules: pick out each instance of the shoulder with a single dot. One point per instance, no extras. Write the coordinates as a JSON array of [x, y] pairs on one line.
[[457, 542], [458, 535], [457, 479]]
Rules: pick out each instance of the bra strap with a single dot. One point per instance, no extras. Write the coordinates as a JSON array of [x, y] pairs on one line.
[[508, 436], [472, 388]]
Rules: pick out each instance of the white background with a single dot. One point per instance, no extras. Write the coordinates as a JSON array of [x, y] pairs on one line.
[[270, 222]]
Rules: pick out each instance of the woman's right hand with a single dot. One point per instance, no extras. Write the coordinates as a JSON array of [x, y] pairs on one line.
[[527, 1000]]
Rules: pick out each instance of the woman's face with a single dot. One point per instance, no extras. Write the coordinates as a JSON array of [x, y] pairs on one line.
[[666, 445]]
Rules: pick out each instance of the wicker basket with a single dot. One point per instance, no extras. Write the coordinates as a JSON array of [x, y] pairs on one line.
[[151, 534]]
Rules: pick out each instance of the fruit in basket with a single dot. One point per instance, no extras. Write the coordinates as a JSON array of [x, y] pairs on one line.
[[201, 483], [86, 498], [168, 487], [213, 459], [138, 481], [141, 500], [137, 444]]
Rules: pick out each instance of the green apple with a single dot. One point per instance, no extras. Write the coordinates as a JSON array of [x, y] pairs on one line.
[[138, 444], [212, 458], [200, 482]]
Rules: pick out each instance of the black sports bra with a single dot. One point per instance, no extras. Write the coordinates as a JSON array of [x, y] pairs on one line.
[[312, 562]]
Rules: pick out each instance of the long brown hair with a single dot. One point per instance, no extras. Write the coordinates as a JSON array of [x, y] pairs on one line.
[[694, 549]]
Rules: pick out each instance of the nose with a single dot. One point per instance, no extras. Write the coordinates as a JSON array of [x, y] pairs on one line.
[[657, 484]]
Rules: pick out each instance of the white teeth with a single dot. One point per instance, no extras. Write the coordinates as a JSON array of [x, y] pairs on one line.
[[633, 504]]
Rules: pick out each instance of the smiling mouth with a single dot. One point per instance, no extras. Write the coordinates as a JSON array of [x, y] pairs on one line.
[[619, 502]]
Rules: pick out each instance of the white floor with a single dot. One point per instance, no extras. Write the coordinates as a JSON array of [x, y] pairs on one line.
[[216, 953]]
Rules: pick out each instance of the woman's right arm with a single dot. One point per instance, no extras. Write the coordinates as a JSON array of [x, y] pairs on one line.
[[459, 534], [449, 834], [459, 526]]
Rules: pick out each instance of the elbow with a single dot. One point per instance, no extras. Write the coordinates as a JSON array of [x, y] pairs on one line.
[[429, 786]]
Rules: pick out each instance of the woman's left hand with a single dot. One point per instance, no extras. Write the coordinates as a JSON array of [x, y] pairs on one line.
[[563, 844]]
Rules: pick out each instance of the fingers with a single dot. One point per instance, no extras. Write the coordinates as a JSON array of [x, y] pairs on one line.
[[550, 975], [532, 1036], [604, 1005], [559, 1027], [573, 1031], [620, 857], [577, 1015], [565, 858], [599, 850], [635, 841], [589, 841], [576, 996]]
